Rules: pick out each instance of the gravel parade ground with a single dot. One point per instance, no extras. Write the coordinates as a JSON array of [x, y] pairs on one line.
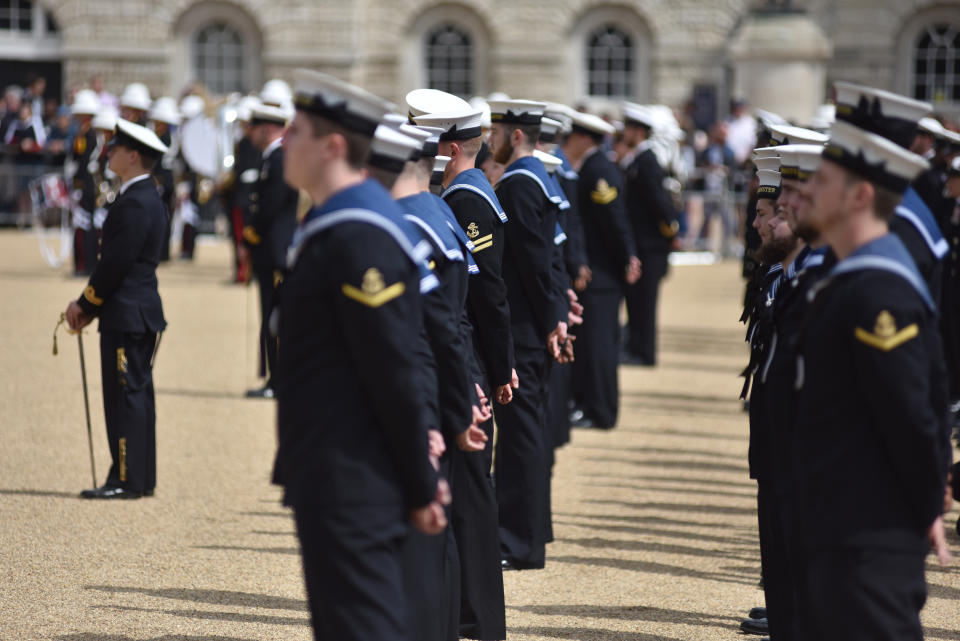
[[655, 521]]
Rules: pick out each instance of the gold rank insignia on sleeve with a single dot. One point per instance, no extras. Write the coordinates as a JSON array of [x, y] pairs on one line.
[[92, 297], [480, 244], [373, 291], [604, 194], [885, 335], [472, 231]]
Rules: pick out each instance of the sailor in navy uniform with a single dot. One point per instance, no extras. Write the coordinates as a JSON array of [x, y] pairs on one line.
[[895, 118], [929, 184], [655, 225], [538, 315], [81, 167], [950, 296], [164, 116], [474, 515], [357, 473], [122, 292], [872, 445], [473, 201], [273, 217], [611, 255]]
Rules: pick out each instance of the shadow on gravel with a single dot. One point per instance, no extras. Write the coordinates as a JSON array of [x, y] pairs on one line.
[[695, 434], [664, 548], [940, 633], [935, 591], [589, 634], [41, 493], [651, 568], [236, 617], [214, 597], [748, 484], [678, 507], [199, 393], [240, 548], [633, 613], [642, 487], [679, 464], [657, 520], [98, 636], [750, 542]]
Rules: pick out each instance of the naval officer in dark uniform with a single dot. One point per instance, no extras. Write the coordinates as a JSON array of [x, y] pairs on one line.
[[83, 186], [352, 443], [655, 225], [872, 446], [122, 292], [273, 216], [613, 264]]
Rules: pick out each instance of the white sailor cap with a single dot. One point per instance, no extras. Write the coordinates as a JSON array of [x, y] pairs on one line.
[[261, 113], [593, 126], [276, 93], [886, 114], [480, 104], [457, 124], [550, 129], [766, 152], [439, 166], [429, 137], [769, 186], [347, 105], [85, 103], [394, 121], [767, 163], [638, 115], [164, 109], [788, 135], [516, 112], [560, 113], [824, 117], [245, 107], [136, 96], [106, 119], [799, 162], [421, 102], [139, 138], [390, 149], [873, 157], [551, 162], [192, 106], [930, 125], [953, 169], [768, 118]]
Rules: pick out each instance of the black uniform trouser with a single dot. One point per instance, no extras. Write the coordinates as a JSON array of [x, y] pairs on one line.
[[431, 577], [950, 331], [558, 410], [129, 409], [779, 581], [597, 351], [353, 570], [268, 342], [522, 468], [642, 299], [864, 593], [474, 520]]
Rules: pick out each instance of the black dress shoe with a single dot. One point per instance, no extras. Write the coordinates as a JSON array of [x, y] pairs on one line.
[[108, 492], [755, 626], [507, 564], [757, 613], [264, 392], [589, 423]]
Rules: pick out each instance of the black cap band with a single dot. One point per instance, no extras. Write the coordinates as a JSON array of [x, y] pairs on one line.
[[120, 139], [868, 115], [430, 149], [596, 135], [857, 164], [338, 113], [513, 118], [461, 134], [436, 178], [768, 192]]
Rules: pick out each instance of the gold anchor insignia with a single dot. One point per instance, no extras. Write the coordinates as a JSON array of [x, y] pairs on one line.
[[472, 230], [373, 291], [604, 194], [372, 281], [885, 335]]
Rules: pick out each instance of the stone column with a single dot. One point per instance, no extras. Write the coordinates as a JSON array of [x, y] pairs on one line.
[[779, 58]]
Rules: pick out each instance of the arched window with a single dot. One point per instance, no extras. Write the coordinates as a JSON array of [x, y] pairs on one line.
[[219, 56], [448, 60], [936, 64], [610, 63]]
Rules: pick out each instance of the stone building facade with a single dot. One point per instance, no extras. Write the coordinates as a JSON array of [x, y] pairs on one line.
[[575, 51]]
